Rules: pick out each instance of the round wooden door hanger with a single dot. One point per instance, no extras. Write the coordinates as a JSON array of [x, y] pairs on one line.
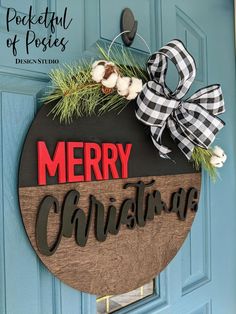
[[104, 213]]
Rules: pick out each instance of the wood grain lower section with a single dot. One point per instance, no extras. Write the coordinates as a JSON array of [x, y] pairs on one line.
[[125, 261]]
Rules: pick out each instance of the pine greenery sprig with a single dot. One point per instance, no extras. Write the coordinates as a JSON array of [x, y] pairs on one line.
[[75, 92], [126, 62], [201, 158], [78, 95]]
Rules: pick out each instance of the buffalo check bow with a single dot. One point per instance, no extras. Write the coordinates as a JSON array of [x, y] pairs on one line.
[[192, 122]]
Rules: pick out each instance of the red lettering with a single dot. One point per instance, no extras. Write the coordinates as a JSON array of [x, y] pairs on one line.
[[91, 162], [97, 161], [124, 158], [56, 164], [109, 159], [72, 162]]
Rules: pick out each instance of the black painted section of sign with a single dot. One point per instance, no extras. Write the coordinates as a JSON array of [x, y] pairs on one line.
[[109, 128]]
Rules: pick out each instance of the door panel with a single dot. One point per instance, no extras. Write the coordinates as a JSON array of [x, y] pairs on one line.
[[195, 255], [192, 283], [210, 38], [17, 112], [17, 109]]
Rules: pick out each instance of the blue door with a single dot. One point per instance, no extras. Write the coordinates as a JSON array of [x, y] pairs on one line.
[[202, 277]]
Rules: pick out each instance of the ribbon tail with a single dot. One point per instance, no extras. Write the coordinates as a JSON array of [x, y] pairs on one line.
[[163, 150], [156, 134], [184, 143]]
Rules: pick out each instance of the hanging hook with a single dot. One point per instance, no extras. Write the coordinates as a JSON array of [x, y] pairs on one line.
[[128, 26]]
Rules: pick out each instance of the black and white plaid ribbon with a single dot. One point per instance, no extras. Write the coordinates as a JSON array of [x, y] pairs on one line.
[[191, 122]]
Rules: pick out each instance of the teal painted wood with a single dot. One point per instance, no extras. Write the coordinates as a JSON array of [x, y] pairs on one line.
[[17, 109], [192, 283], [210, 36]]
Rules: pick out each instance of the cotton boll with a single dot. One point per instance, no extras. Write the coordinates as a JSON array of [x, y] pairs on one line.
[[224, 158], [122, 85], [110, 82], [136, 85], [100, 68], [106, 73], [132, 95], [95, 64], [99, 62], [134, 88], [123, 93], [218, 151], [219, 157], [98, 73], [216, 162], [111, 64]]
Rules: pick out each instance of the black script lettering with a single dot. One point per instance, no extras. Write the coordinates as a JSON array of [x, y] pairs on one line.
[[74, 219], [98, 208], [46, 205], [193, 199], [140, 189], [44, 43], [9, 17], [56, 20], [12, 43], [178, 204], [128, 217], [113, 221], [112, 226], [65, 24], [155, 205], [48, 18], [131, 213]]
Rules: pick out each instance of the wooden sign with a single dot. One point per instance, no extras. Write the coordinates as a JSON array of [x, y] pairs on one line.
[[102, 210]]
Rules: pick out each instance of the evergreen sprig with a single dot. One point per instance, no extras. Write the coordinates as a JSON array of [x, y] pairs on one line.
[[77, 95], [126, 62], [201, 158]]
